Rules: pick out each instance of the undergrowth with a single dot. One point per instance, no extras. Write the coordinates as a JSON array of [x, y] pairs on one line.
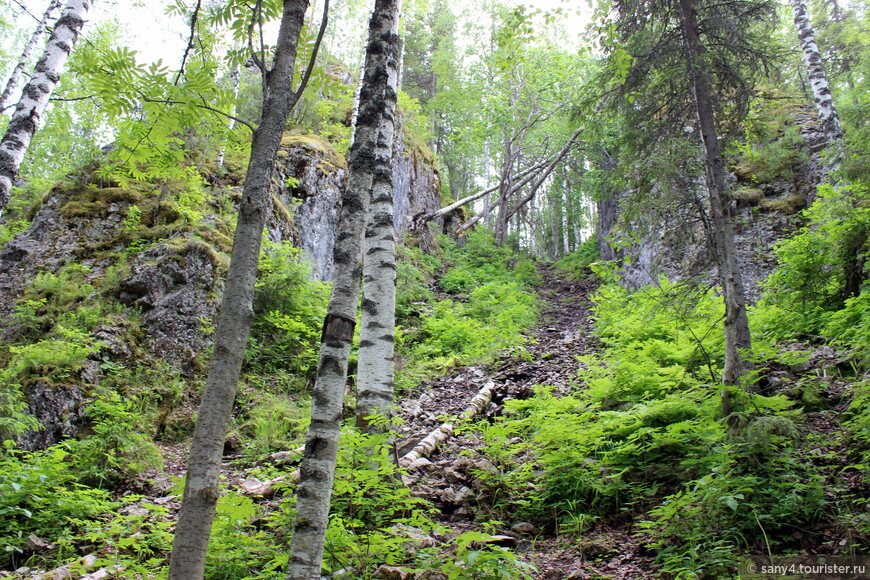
[[486, 301], [647, 438]]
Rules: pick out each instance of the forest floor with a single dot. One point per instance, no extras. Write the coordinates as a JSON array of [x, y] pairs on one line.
[[466, 487], [454, 478]]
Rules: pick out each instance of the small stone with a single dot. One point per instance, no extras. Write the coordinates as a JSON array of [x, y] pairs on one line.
[[523, 528], [393, 573], [463, 494], [453, 476]]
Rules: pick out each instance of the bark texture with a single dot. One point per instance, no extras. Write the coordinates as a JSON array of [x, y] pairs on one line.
[[14, 77], [375, 376], [737, 337], [816, 71], [317, 470], [28, 112], [201, 489]]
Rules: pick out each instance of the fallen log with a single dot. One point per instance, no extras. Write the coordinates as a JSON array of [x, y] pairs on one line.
[[431, 442]]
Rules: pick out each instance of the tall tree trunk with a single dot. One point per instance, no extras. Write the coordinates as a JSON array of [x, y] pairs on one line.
[[28, 112], [368, 163], [25, 54], [737, 337], [816, 71], [607, 210], [201, 489], [375, 377]]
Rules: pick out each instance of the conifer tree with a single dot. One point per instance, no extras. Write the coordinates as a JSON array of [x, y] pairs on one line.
[[679, 63]]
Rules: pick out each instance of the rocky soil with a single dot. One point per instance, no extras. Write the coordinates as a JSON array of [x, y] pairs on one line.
[[454, 478]]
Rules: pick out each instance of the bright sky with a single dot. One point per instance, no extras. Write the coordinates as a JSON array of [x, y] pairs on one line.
[[146, 28]]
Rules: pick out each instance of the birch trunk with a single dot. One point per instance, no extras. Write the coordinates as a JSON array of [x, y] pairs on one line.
[[370, 151], [816, 71], [25, 54], [201, 490], [29, 110], [737, 337], [375, 376]]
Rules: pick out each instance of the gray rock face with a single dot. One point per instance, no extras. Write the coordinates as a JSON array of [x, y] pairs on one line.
[[60, 409], [673, 243], [176, 292], [315, 201], [176, 284]]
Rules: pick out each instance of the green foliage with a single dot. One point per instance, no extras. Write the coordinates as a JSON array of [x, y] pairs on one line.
[[289, 309], [482, 261], [819, 288], [476, 560], [415, 271], [113, 449], [771, 150], [39, 495], [648, 435], [575, 266], [492, 305], [271, 422], [371, 508]]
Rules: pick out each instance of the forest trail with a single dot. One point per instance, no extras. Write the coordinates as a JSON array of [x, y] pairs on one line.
[[454, 478]]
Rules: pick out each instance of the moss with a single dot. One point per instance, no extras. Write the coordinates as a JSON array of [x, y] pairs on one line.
[[281, 211], [751, 195], [331, 159], [76, 208], [218, 260], [788, 206], [216, 238], [115, 194]]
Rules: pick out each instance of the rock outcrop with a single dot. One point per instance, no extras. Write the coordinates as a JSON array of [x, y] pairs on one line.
[[164, 269]]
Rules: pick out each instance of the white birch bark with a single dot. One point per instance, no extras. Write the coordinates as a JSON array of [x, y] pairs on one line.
[[25, 54], [375, 376], [366, 166], [816, 71], [201, 490], [28, 112]]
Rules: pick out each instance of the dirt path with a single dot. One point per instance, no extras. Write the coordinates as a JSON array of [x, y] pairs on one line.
[[450, 477]]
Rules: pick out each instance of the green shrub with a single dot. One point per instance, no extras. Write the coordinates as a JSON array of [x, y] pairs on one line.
[[113, 449], [648, 435], [575, 266], [819, 268], [289, 308], [40, 495]]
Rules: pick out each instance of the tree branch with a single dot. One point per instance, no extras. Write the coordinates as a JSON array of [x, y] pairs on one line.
[[305, 77], [190, 41]]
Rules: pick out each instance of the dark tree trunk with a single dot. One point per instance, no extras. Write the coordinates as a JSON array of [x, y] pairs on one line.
[[201, 489], [737, 338]]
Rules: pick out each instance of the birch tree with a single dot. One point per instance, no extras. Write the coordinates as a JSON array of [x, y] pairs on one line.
[[201, 490], [816, 72], [375, 372], [29, 110], [368, 169], [15, 75]]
